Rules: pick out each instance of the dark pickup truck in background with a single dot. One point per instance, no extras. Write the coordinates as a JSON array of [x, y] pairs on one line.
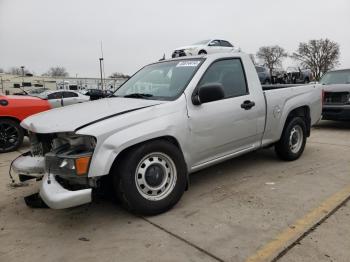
[[336, 88]]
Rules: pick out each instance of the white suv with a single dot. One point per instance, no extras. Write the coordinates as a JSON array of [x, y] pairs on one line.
[[204, 47]]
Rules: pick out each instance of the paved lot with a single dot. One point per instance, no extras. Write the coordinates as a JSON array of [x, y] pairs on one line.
[[253, 208]]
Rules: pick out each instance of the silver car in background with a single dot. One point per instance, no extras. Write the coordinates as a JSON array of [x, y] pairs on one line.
[[58, 98]]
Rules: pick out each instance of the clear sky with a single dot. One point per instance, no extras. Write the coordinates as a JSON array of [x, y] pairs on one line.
[[43, 33]]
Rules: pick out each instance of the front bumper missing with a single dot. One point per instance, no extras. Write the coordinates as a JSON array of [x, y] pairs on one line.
[[52, 193], [57, 197]]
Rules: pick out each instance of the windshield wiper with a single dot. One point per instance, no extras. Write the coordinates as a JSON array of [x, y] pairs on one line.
[[138, 95]]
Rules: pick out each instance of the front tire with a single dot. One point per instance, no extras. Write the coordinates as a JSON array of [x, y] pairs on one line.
[[150, 178], [293, 140], [11, 135], [202, 52]]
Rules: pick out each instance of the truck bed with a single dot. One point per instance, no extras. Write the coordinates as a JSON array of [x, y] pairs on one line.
[[279, 86], [281, 99]]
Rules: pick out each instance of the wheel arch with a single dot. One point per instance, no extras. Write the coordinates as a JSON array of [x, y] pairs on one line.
[[302, 111], [11, 118], [167, 138]]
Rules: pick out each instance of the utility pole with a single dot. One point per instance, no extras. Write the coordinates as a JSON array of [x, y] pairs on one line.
[[2, 85], [22, 67], [101, 59]]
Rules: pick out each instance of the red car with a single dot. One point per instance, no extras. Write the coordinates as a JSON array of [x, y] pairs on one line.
[[13, 109]]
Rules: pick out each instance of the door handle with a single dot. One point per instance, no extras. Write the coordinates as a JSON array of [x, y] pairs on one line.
[[247, 104]]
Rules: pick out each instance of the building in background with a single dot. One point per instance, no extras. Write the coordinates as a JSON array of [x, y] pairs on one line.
[[12, 84]]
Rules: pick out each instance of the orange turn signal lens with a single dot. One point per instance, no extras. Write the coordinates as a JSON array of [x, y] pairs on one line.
[[82, 165]]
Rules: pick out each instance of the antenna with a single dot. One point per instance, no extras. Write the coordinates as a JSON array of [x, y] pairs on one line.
[[101, 61], [101, 49]]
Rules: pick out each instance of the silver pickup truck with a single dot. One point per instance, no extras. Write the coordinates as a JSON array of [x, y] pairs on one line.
[[170, 119]]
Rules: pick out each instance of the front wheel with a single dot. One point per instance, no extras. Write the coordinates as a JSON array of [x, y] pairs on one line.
[[151, 178], [293, 139], [11, 135]]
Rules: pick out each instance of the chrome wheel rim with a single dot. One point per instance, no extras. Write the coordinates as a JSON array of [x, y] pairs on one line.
[[155, 176], [296, 139], [8, 136]]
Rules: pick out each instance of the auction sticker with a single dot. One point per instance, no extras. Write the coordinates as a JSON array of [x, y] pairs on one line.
[[188, 63]]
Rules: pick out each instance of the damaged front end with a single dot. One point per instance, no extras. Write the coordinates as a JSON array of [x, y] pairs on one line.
[[62, 161]]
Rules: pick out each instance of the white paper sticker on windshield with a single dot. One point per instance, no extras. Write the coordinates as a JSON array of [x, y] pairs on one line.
[[188, 63]]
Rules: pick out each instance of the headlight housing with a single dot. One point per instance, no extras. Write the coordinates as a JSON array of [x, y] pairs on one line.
[[78, 165], [71, 156]]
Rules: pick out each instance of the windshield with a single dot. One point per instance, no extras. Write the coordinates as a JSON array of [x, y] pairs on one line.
[[203, 42], [336, 77], [162, 81]]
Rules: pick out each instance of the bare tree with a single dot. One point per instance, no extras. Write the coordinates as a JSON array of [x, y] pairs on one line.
[[271, 56], [318, 55], [57, 71], [252, 57], [119, 75], [17, 71]]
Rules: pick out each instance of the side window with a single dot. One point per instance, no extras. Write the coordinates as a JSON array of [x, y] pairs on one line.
[[229, 73], [69, 94], [56, 95], [225, 43], [214, 43]]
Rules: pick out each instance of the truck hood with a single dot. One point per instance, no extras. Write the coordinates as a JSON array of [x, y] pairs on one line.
[[71, 118], [336, 88]]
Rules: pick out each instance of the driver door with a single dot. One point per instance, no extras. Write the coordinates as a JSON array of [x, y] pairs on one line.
[[224, 127]]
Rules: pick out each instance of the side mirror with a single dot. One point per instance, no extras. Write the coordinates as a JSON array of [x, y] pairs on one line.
[[208, 93]]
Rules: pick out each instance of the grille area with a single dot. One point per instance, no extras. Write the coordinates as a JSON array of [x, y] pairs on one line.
[[40, 143], [336, 97]]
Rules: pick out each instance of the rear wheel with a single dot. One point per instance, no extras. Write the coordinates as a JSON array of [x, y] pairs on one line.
[[293, 139], [151, 178], [202, 52], [11, 135]]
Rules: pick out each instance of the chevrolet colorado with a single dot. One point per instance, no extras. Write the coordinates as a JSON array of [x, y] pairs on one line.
[[170, 119]]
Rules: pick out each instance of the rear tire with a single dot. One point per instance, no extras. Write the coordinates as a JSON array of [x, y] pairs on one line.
[[293, 139], [202, 52], [151, 178], [11, 135]]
